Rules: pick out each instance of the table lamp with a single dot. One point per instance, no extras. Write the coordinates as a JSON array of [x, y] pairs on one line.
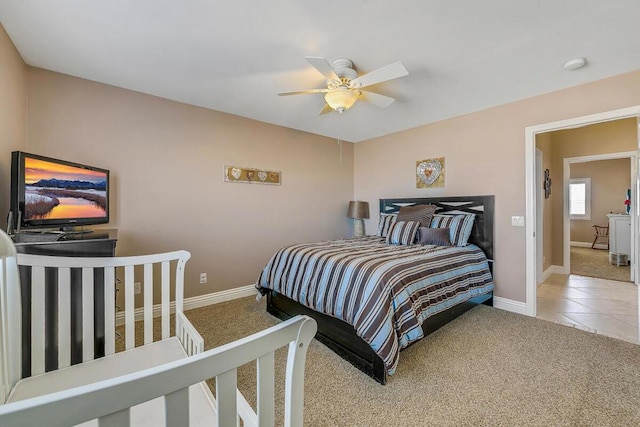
[[358, 210]]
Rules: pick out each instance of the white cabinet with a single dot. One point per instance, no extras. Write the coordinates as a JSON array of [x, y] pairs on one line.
[[620, 234]]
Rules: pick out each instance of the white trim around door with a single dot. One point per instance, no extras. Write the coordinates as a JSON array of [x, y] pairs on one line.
[[530, 189], [566, 164]]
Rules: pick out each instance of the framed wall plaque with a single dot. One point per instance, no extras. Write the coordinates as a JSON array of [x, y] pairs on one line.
[[430, 173], [251, 175]]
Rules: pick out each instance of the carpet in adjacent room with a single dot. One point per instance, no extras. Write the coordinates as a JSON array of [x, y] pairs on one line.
[[595, 263]]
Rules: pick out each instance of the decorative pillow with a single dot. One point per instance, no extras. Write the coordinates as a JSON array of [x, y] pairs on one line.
[[460, 227], [420, 213], [434, 236], [403, 232], [386, 221]]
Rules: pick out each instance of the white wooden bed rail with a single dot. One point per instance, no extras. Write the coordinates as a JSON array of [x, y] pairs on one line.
[[110, 400], [10, 319]]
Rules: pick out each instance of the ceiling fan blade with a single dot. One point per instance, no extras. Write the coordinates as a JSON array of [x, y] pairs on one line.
[[376, 99], [323, 66], [303, 92], [388, 72], [325, 110]]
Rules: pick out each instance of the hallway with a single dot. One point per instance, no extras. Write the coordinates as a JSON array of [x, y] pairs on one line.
[[601, 306]]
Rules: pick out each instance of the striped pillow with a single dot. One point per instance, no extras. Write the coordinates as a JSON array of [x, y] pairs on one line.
[[403, 233], [459, 227], [420, 213], [386, 221]]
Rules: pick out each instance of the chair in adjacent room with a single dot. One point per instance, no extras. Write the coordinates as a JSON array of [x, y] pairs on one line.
[[601, 236]]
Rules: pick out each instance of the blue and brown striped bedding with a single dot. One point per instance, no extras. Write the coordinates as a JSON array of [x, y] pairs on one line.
[[384, 291]]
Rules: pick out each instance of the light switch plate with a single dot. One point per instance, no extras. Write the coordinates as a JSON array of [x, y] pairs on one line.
[[517, 221]]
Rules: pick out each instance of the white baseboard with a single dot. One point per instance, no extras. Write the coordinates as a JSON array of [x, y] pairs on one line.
[[510, 305], [218, 297], [554, 269], [195, 302], [588, 245]]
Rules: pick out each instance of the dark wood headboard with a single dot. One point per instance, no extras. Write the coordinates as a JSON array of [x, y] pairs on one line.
[[481, 206]]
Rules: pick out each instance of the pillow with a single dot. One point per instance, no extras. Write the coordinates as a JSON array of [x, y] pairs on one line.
[[403, 232], [434, 236], [460, 227], [386, 221], [420, 213]]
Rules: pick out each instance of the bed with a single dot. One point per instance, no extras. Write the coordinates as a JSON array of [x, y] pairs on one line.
[[371, 299]]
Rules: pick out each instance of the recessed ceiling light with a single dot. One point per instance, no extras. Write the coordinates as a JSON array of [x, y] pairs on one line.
[[574, 64]]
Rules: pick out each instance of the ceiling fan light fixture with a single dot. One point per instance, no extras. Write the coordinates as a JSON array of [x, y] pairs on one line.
[[341, 99]]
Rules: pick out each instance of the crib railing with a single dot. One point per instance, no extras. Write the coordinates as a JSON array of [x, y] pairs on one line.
[[47, 271], [110, 400]]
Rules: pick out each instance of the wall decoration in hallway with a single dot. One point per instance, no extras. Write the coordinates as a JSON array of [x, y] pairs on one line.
[[430, 173], [251, 176]]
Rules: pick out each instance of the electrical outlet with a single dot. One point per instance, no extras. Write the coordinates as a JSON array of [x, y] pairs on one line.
[[203, 278], [517, 221], [136, 288]]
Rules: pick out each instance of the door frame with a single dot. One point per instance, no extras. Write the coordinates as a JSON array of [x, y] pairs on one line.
[[530, 190], [566, 225]]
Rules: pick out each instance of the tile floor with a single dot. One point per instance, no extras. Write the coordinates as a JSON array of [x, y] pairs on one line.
[[602, 306]]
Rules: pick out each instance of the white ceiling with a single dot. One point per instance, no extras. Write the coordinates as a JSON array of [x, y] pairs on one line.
[[234, 56]]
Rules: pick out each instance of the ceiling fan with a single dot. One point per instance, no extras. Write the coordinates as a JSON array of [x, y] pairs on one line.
[[344, 87]]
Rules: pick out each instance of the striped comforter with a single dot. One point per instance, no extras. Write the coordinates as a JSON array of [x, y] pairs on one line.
[[384, 291]]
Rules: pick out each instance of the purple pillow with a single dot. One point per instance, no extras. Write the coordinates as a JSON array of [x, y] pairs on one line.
[[434, 236]]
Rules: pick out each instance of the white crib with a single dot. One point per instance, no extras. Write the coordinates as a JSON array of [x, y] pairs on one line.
[[157, 383]]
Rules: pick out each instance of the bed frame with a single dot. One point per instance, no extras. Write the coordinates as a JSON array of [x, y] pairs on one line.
[[340, 337]]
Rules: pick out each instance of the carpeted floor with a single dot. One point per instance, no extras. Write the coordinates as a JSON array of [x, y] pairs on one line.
[[487, 368], [595, 263]]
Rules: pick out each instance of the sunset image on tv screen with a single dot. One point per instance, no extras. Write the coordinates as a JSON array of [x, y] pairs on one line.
[[57, 191]]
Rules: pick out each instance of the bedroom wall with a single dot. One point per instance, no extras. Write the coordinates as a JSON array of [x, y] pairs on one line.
[[484, 154], [13, 114], [610, 180], [610, 137], [166, 161]]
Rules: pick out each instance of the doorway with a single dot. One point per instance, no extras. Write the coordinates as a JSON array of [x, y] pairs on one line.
[[608, 178], [531, 184]]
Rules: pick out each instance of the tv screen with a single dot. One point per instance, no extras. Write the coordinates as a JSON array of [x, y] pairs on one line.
[[50, 192]]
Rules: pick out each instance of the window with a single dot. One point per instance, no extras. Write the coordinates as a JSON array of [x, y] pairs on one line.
[[580, 198]]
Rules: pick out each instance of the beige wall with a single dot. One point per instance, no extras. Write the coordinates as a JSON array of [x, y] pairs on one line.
[[13, 114], [484, 155], [602, 138], [166, 161], [543, 143], [610, 180]]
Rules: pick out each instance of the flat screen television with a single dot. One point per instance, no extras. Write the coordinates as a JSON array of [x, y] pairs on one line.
[[47, 192]]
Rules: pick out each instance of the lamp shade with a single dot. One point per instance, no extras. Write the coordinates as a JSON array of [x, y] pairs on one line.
[[340, 99], [358, 209]]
